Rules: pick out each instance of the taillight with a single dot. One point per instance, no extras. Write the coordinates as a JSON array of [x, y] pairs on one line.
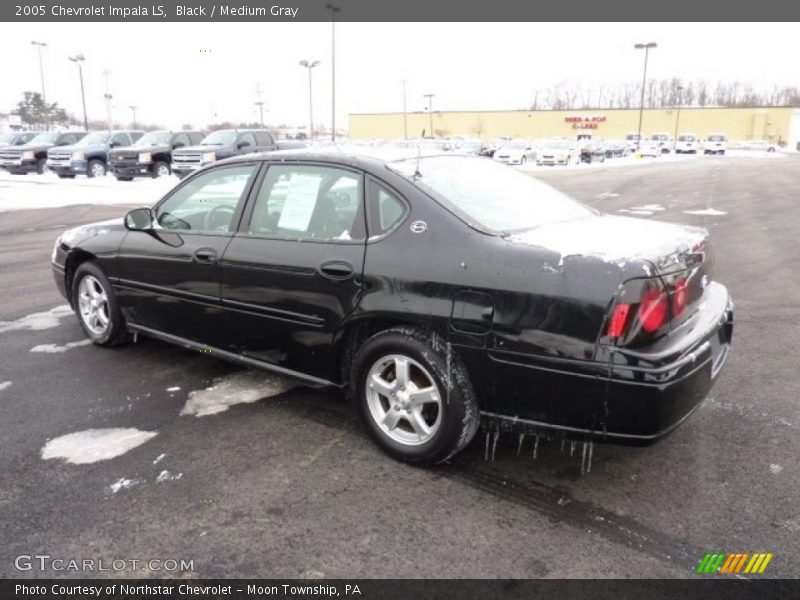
[[619, 318], [680, 297], [653, 310]]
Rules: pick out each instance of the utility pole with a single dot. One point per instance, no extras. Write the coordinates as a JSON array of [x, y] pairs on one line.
[[677, 119], [39, 46], [310, 65], [646, 47], [78, 59], [334, 10], [405, 113], [133, 108], [108, 98], [430, 110], [260, 104]]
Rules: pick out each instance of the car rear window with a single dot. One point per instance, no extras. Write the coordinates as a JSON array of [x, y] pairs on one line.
[[493, 196]]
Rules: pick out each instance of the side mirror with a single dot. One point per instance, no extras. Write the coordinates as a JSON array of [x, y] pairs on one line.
[[244, 144], [178, 145], [139, 219], [114, 144]]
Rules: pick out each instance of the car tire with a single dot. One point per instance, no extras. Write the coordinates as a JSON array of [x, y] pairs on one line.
[[96, 307], [95, 168], [41, 166], [770, 149], [63, 176], [390, 404], [523, 160], [160, 169], [124, 178]]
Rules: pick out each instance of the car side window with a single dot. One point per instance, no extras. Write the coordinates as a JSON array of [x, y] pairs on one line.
[[263, 138], [180, 140], [248, 139], [206, 203], [121, 139], [309, 202], [386, 209]]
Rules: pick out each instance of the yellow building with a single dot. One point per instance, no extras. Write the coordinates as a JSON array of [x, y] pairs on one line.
[[776, 124]]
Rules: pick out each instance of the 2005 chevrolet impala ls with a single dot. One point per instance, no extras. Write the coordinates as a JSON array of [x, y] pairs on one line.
[[437, 290]]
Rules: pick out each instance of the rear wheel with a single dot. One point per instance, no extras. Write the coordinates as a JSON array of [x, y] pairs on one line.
[[41, 166], [161, 169], [414, 396], [96, 168], [96, 306]]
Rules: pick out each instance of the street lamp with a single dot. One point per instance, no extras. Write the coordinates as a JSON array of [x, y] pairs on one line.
[[334, 10], [405, 113], [646, 48], [39, 46], [310, 65], [78, 59], [133, 108], [677, 118], [430, 109]]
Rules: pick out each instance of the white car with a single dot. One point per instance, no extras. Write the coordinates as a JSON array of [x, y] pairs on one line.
[[759, 146], [687, 144], [716, 143], [664, 141], [560, 152], [515, 153], [651, 148], [632, 142]]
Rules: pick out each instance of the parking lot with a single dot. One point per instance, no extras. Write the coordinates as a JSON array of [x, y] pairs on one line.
[[286, 483]]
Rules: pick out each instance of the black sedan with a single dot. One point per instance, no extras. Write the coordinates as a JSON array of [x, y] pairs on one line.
[[437, 291]]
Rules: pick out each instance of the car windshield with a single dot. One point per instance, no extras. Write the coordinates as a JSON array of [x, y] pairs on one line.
[[716, 138], [632, 137], [686, 138], [557, 146], [154, 138], [94, 138], [219, 138], [489, 194], [471, 146], [48, 137], [514, 146], [7, 138]]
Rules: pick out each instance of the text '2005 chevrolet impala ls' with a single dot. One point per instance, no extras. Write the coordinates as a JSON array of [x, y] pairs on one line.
[[436, 290]]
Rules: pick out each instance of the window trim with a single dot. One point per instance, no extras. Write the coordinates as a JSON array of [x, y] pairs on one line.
[[373, 218], [237, 214], [247, 214]]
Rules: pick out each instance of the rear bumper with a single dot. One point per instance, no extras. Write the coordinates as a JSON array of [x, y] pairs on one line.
[[635, 399]]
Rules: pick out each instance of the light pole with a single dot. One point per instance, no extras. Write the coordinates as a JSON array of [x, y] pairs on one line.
[[310, 65], [78, 60], [430, 109], [108, 98], [334, 10], [39, 46], [405, 113], [677, 119], [133, 108], [646, 48]]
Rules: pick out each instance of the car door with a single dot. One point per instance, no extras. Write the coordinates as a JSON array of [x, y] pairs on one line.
[[292, 273], [169, 277]]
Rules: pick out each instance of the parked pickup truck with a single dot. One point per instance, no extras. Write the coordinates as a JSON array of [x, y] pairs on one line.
[[224, 144], [89, 156], [32, 157], [16, 138], [151, 155]]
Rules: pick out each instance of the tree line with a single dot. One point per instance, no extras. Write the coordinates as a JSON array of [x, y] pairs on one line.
[[663, 93]]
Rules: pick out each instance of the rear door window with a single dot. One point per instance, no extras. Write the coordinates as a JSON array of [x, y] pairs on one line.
[[386, 209]]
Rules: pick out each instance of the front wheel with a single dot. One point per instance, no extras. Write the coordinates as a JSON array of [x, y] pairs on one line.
[[96, 168], [414, 395], [96, 306], [41, 166], [161, 169]]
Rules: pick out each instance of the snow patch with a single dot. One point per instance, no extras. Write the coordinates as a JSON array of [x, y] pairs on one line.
[[123, 484], [651, 207], [167, 476], [4, 385], [711, 212], [159, 458], [174, 388], [605, 195], [55, 348], [93, 445], [641, 212], [37, 321], [243, 387], [775, 469]]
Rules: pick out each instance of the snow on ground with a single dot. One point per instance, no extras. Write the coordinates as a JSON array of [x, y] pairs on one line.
[[4, 385], [710, 212], [242, 387], [93, 445], [123, 484], [56, 349], [37, 321], [167, 476], [47, 190]]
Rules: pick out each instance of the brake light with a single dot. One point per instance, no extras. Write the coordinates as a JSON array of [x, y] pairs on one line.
[[680, 297], [653, 310], [618, 320]]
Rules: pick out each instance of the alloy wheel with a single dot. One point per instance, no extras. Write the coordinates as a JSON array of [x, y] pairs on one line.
[[403, 400], [93, 305]]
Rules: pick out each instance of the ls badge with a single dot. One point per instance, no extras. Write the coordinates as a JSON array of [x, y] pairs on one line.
[[419, 227]]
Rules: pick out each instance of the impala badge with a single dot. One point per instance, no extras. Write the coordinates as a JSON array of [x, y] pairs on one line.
[[419, 227]]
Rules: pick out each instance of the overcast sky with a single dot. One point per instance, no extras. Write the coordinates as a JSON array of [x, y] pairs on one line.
[[160, 66]]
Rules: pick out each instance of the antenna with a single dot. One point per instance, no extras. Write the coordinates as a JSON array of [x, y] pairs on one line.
[[419, 155]]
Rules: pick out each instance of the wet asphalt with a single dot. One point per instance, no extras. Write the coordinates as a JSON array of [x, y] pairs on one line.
[[290, 486]]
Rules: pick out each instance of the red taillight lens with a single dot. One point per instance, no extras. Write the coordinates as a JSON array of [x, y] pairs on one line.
[[653, 310], [680, 297], [618, 320]]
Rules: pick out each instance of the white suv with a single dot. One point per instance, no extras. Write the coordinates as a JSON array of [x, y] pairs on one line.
[[716, 143], [687, 144]]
